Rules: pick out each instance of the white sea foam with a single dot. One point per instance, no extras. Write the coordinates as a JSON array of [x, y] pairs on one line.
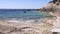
[[13, 21], [30, 21], [23, 21]]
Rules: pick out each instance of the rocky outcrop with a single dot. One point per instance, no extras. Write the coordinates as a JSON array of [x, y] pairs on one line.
[[52, 6], [21, 28]]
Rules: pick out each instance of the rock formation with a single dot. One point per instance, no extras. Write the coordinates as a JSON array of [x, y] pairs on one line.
[[21, 28], [52, 6]]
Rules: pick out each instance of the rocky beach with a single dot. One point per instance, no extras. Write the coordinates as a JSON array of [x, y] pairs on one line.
[[53, 8], [21, 28]]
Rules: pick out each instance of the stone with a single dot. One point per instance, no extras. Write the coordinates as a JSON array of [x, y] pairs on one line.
[[6, 28]]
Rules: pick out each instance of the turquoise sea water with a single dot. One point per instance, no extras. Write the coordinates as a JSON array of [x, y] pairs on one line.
[[22, 14]]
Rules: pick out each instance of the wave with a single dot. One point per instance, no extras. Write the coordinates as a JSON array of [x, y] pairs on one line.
[[24, 21]]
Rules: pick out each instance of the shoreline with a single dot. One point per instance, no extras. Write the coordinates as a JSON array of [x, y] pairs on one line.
[[38, 28], [26, 27]]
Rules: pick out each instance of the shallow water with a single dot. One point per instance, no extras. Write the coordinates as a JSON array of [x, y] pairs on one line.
[[21, 15]]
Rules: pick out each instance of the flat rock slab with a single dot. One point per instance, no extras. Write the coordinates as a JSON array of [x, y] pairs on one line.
[[6, 28], [21, 28]]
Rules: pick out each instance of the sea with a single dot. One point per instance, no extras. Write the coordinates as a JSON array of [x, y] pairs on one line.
[[22, 15]]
